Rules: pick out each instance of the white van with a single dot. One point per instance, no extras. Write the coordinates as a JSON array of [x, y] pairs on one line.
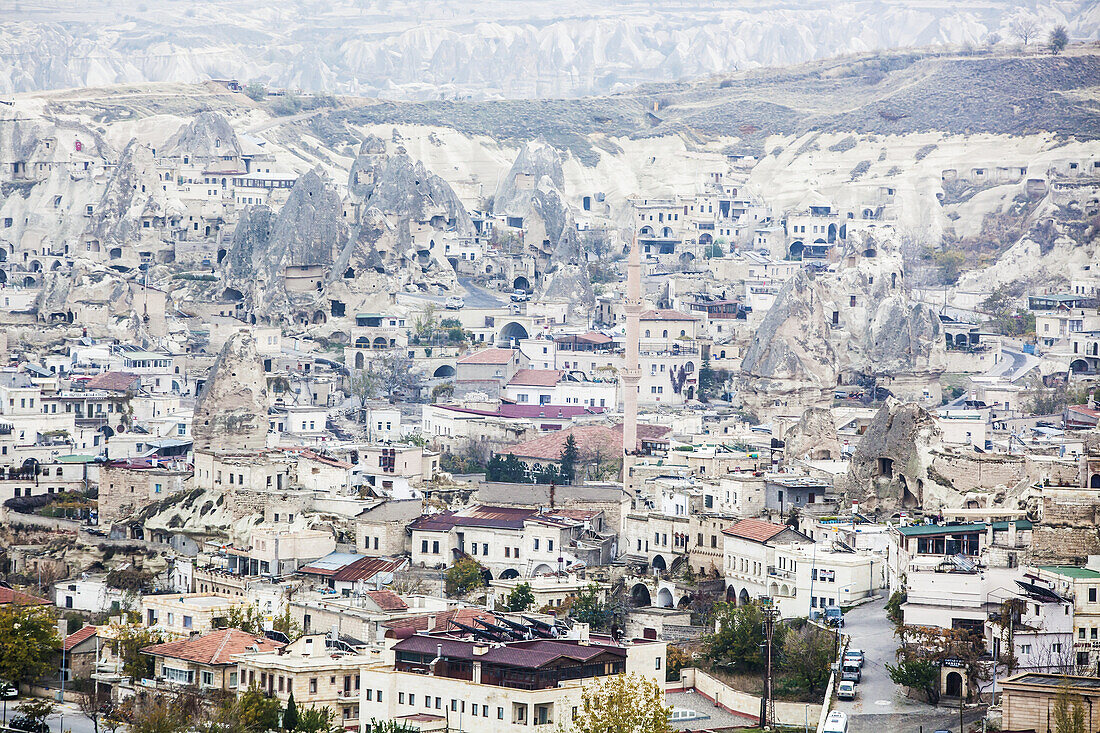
[[837, 722]]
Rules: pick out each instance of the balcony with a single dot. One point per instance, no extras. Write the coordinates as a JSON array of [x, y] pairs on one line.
[[784, 573]]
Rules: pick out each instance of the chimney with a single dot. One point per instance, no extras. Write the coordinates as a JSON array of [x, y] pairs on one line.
[[480, 649], [553, 492]]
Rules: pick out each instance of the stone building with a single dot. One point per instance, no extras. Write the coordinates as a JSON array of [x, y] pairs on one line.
[[126, 487]]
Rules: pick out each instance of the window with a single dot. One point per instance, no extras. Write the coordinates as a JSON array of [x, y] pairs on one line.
[[536, 543], [658, 663], [186, 622], [549, 545], [208, 679], [182, 676], [423, 545], [412, 698], [1092, 595], [500, 713], [401, 698], [232, 679], [435, 547], [1025, 649], [313, 685]]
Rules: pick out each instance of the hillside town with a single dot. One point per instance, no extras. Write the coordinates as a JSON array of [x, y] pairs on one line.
[[321, 436]]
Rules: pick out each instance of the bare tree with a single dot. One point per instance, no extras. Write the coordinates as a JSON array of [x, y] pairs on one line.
[[91, 699], [1024, 29]]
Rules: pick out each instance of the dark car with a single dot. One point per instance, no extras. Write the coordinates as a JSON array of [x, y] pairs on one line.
[[22, 722]]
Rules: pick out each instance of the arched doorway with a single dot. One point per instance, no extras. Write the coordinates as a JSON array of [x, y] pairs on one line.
[[1079, 366], [954, 684], [796, 250], [1094, 482], [639, 596], [359, 360], [488, 575], [512, 332], [444, 371], [509, 574], [731, 595], [743, 597], [521, 283], [664, 598], [658, 563], [542, 569]]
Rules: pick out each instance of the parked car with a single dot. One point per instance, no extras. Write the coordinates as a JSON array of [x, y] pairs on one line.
[[453, 303], [520, 296], [846, 691], [22, 722], [851, 672], [8, 691], [855, 656]]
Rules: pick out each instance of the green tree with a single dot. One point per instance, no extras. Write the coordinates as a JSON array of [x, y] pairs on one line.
[[706, 381], [389, 726], [806, 656], [36, 709], [520, 599], [255, 711], [569, 455], [425, 324], [893, 607], [315, 720], [28, 637], [625, 703], [129, 641], [589, 608], [290, 715], [921, 675], [736, 643], [285, 624], [676, 659], [464, 576], [256, 92], [507, 469], [247, 617], [158, 715], [1058, 40], [1069, 712]]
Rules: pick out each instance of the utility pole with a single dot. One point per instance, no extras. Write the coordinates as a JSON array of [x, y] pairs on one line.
[[767, 703]]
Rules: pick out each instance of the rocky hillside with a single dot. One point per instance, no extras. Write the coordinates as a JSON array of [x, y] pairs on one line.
[[454, 49], [883, 94]]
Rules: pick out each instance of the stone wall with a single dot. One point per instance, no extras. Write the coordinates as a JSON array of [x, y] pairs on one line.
[[1068, 533]]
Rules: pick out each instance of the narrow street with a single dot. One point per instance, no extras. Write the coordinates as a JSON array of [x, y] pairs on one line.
[[66, 718], [880, 705]]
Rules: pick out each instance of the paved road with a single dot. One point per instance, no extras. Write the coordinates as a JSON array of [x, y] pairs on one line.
[[479, 297], [473, 296], [880, 705], [67, 715], [1015, 364]]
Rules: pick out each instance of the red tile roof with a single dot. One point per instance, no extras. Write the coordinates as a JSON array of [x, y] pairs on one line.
[[489, 356], [536, 378], [9, 597], [756, 530], [214, 648], [387, 600], [112, 381], [79, 636]]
